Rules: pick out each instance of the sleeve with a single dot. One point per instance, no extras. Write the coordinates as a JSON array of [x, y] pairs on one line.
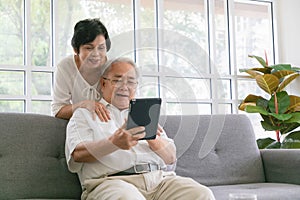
[[77, 132], [164, 136], [61, 90], [169, 167]]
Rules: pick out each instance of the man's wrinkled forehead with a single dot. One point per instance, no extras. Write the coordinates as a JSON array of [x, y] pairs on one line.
[[122, 69]]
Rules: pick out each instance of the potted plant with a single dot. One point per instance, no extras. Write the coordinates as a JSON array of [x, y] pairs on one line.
[[281, 111]]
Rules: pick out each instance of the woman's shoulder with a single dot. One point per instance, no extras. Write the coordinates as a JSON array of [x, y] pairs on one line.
[[67, 64], [67, 61]]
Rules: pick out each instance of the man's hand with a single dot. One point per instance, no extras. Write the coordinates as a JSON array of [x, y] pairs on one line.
[[162, 147], [125, 139]]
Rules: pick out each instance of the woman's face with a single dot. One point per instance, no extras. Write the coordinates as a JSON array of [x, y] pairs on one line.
[[93, 54]]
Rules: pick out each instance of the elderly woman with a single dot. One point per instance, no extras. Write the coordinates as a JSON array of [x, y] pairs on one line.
[[77, 76]]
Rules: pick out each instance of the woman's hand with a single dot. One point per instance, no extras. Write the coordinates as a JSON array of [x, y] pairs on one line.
[[97, 109], [101, 112]]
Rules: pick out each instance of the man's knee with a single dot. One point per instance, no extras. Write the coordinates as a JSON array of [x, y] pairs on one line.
[[194, 190], [201, 192]]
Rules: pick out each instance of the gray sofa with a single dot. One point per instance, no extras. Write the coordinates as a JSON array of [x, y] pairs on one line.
[[216, 150]]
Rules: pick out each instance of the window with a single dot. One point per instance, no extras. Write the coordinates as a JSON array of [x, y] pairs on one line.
[[189, 51]]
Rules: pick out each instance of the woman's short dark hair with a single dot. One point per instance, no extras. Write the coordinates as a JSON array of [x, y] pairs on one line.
[[85, 31]]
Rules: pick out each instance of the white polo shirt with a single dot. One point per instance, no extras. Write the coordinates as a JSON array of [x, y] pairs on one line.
[[82, 127]]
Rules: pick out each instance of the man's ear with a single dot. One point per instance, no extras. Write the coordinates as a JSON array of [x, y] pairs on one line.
[[102, 83]]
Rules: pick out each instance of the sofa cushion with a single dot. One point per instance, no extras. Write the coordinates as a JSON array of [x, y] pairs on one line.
[[281, 165], [32, 159], [274, 191], [234, 159]]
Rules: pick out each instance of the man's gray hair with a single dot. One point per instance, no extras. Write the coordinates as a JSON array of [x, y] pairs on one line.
[[110, 62]]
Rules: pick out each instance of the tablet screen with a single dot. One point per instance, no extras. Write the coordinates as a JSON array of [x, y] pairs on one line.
[[144, 112]]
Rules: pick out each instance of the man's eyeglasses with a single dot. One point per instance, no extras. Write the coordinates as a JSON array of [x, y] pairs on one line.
[[119, 82]]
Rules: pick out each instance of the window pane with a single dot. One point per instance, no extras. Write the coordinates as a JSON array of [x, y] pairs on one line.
[[188, 109], [11, 32], [224, 89], [146, 35], [186, 88], [148, 87], [253, 32], [11, 106], [42, 107], [11, 83], [40, 32], [41, 83], [66, 10], [146, 14], [116, 16], [176, 65], [147, 60], [220, 42], [184, 33], [224, 108]]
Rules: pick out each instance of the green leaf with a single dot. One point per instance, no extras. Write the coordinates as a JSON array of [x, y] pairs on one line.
[[296, 69], [252, 98], [264, 70], [283, 102], [294, 135], [287, 81], [256, 109], [288, 127], [280, 67], [268, 126], [283, 73], [281, 117], [274, 145], [259, 59], [263, 143], [268, 119], [262, 102], [252, 73], [290, 144], [295, 118], [268, 82], [294, 104]]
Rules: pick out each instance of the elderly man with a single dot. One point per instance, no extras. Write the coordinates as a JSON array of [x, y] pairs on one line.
[[108, 158]]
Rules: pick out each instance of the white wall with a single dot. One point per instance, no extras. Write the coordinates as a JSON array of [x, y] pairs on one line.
[[288, 27], [288, 35]]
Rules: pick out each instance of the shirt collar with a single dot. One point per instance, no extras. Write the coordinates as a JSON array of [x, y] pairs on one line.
[[104, 102]]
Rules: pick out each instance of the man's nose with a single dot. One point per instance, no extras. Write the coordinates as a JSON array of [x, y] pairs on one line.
[[124, 85]]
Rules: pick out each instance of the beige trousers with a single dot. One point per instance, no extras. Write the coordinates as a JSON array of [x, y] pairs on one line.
[[157, 185]]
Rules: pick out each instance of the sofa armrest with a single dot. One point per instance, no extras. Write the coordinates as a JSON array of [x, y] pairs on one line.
[[281, 165]]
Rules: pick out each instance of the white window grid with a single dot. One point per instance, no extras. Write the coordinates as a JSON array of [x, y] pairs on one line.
[[27, 68]]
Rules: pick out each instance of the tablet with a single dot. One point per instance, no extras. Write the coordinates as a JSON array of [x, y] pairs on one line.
[[144, 112]]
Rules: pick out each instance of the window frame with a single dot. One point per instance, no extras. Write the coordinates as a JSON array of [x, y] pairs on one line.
[[214, 101]]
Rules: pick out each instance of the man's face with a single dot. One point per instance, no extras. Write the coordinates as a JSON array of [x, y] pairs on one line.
[[93, 54], [119, 85]]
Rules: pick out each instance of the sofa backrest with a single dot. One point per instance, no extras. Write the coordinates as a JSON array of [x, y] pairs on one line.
[[233, 158], [33, 165], [32, 158]]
